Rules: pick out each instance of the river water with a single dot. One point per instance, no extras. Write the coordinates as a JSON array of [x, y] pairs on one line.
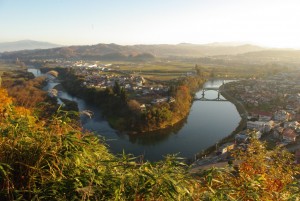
[[207, 123]]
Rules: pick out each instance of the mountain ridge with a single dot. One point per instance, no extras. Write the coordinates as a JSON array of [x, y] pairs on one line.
[[99, 51], [26, 45]]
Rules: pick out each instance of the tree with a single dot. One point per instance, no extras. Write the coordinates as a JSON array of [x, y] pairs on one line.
[[260, 174], [172, 90], [123, 95], [198, 70], [182, 101], [134, 106], [117, 88]]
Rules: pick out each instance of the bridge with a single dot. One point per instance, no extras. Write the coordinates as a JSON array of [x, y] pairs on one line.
[[203, 98], [211, 88], [207, 99]]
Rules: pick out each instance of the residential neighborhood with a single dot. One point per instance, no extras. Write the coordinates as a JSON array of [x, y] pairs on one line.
[[272, 103], [102, 77], [273, 108], [274, 93]]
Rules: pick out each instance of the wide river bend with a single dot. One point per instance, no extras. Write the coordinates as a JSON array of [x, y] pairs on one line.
[[207, 123]]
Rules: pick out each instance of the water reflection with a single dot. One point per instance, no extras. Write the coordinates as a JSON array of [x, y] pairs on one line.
[[156, 137]]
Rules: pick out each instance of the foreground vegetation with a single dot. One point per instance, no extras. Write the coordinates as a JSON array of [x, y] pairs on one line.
[[53, 159]]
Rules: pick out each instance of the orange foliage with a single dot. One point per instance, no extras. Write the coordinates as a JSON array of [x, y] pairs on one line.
[[4, 99], [7, 108]]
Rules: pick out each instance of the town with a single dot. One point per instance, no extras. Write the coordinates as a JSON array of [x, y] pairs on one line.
[[101, 76], [273, 108], [135, 85]]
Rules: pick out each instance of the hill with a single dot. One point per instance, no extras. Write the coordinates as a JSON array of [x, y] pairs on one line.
[[25, 45], [272, 56], [114, 51]]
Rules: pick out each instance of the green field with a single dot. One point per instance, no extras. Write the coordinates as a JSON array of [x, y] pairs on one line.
[[157, 70], [8, 67]]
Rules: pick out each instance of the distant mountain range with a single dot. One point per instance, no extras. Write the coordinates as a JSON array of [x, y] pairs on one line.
[[119, 52], [232, 54], [213, 53], [25, 45]]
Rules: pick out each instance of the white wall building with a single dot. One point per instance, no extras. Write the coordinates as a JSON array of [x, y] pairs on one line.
[[261, 126]]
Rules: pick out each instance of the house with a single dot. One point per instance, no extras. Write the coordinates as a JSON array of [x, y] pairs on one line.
[[257, 135], [171, 100], [289, 135], [281, 115], [256, 125], [277, 132], [93, 66], [268, 126], [262, 126], [263, 116], [225, 148], [143, 107], [241, 138], [159, 100], [294, 125]]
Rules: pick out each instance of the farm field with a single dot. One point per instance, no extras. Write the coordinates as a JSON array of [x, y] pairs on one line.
[[162, 71], [8, 67]]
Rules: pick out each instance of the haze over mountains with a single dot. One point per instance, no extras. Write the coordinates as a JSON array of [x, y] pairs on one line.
[[119, 51], [25, 45], [227, 52]]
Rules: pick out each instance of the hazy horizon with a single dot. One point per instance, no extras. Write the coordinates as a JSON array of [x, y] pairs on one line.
[[263, 23]]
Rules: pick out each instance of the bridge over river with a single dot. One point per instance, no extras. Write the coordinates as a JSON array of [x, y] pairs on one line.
[[203, 98]]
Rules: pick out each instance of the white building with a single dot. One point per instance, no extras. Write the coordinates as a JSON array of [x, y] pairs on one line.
[[261, 126], [256, 125]]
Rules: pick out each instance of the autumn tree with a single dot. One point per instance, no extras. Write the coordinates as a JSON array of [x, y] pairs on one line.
[[260, 174], [182, 101]]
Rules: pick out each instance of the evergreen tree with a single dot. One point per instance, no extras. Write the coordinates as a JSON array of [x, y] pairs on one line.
[[117, 88], [123, 95]]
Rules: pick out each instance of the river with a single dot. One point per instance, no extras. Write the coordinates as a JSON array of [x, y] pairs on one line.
[[207, 123]]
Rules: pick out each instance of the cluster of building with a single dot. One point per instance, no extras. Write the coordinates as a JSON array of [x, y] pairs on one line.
[[279, 127], [281, 91], [104, 77], [281, 123]]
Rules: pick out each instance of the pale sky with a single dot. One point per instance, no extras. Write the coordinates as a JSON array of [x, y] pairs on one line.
[[272, 23]]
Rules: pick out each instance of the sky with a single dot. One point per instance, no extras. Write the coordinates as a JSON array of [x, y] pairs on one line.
[[270, 23]]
